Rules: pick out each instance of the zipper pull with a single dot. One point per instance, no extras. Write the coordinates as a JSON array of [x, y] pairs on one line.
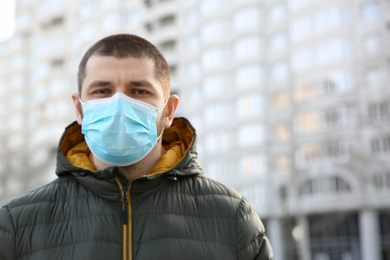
[[172, 175], [125, 213]]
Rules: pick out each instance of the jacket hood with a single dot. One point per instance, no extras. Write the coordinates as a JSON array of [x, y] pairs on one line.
[[179, 140]]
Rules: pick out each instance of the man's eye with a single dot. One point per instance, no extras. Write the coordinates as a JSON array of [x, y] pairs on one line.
[[140, 92], [101, 92]]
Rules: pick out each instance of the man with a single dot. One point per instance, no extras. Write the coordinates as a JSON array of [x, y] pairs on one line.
[[129, 185]]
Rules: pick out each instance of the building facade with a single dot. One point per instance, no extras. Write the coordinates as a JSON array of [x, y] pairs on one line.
[[290, 99]]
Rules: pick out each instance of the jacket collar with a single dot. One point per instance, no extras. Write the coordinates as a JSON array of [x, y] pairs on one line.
[[180, 133]]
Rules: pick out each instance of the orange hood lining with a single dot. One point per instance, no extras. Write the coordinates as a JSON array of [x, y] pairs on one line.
[[177, 140]]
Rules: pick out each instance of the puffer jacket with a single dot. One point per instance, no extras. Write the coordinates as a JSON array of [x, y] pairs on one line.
[[178, 213]]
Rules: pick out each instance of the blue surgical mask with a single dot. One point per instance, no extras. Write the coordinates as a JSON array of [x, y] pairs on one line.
[[120, 130]]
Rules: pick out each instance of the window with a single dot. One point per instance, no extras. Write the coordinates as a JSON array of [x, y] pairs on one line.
[[308, 122], [192, 17], [16, 82], [333, 150], [25, 3], [56, 109], [282, 132], [283, 162], [15, 142], [252, 164], [168, 46], [33, 118], [301, 29], [217, 142], [167, 21], [382, 180], [380, 145], [302, 60], [133, 17], [16, 122], [310, 153], [376, 77], [250, 135], [333, 51], [256, 194], [216, 113], [247, 47], [196, 120], [17, 101], [342, 115], [109, 3], [38, 137], [213, 57], [23, 19], [193, 69], [279, 71], [88, 9], [299, 4], [39, 72], [248, 76], [372, 44], [45, 7], [211, 6], [17, 41], [214, 85], [337, 82], [194, 95], [281, 101], [17, 61], [148, 3], [212, 31], [192, 42], [250, 105], [325, 185], [57, 64], [329, 86], [278, 42], [276, 13], [89, 31], [218, 170], [246, 19], [379, 111], [370, 11], [38, 158], [332, 117], [330, 19], [57, 86], [305, 92]]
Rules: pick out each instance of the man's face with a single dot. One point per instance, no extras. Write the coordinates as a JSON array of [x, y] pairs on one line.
[[134, 77]]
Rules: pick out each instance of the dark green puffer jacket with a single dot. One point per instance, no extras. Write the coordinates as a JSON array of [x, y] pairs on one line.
[[176, 214]]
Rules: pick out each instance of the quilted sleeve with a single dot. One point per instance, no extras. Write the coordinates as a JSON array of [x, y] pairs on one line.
[[252, 242], [7, 236]]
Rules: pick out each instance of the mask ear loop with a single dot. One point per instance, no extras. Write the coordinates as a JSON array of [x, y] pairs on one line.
[[162, 131], [166, 102]]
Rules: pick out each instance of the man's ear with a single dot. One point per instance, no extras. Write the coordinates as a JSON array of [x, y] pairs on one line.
[[77, 107], [173, 103]]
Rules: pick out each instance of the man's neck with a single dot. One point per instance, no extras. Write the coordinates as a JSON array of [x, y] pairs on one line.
[[141, 168]]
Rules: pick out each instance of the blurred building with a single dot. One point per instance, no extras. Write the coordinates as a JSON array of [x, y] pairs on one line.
[[291, 100]]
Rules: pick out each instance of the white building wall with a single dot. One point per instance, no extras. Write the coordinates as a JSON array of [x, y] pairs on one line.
[[290, 98]]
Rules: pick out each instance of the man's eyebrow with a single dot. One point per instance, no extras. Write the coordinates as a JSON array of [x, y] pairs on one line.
[[99, 83], [140, 83]]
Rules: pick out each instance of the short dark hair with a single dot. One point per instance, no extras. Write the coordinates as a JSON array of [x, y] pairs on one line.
[[127, 45]]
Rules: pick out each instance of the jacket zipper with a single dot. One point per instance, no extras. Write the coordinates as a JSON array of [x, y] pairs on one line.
[[126, 220]]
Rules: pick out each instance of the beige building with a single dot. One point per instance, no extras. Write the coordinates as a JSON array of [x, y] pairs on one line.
[[291, 100]]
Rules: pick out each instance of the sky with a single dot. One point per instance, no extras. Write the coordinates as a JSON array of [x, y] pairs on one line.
[[7, 23]]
